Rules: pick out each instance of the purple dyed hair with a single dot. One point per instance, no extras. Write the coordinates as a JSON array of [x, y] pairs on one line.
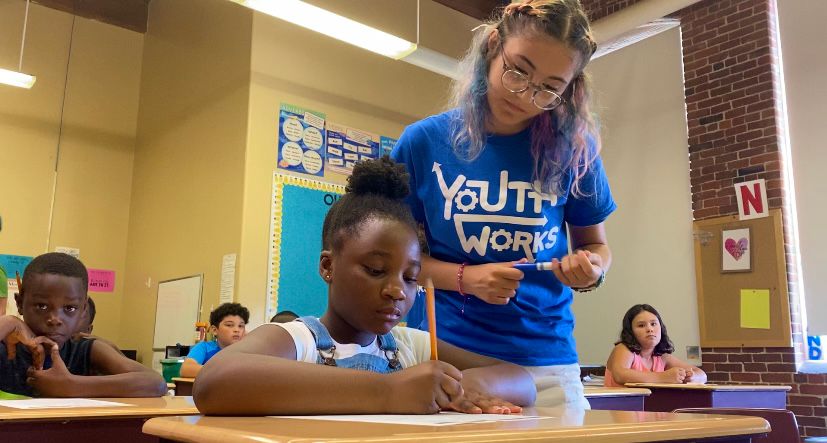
[[565, 139]]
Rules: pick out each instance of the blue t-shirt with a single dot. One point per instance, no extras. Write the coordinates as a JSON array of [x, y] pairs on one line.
[[204, 351], [485, 211]]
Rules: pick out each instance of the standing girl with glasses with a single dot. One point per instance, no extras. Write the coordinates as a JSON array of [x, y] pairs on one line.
[[506, 177]]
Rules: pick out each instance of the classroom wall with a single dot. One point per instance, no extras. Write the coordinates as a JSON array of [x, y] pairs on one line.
[[189, 160], [290, 64], [639, 98], [91, 186]]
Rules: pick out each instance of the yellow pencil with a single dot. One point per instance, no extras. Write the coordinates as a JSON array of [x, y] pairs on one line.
[[430, 307]]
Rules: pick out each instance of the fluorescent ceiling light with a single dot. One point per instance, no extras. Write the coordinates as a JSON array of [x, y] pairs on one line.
[[333, 25], [14, 78]]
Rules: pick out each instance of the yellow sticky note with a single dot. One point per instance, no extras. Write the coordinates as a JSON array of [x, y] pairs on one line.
[[755, 308]]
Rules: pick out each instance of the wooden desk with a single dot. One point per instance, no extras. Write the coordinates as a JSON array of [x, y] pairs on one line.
[[616, 399], [183, 385], [667, 397], [570, 426], [121, 424]]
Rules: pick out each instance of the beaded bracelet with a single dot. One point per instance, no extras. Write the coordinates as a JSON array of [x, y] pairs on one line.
[[460, 272]]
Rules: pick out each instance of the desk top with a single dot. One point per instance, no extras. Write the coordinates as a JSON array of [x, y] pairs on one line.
[[562, 425], [138, 407], [709, 387], [601, 391]]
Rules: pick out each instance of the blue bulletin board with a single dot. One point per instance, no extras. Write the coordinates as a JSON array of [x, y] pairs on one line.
[[299, 206]]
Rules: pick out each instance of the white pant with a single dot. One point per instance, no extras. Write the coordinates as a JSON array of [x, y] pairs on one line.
[[558, 386]]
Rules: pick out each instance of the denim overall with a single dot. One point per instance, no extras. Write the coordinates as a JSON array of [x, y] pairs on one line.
[[364, 362]]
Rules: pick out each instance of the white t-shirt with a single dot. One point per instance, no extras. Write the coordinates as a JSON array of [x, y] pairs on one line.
[[414, 345]]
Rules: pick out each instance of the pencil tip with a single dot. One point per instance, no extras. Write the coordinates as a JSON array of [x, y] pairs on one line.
[[429, 283]]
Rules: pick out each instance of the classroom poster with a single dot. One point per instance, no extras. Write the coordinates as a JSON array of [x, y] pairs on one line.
[[298, 209], [300, 141], [101, 280], [14, 264], [387, 145], [736, 253], [346, 146]]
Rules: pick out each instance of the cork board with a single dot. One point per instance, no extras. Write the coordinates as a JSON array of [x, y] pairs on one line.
[[719, 292]]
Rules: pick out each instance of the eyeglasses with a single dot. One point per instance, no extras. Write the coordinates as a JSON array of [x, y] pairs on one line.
[[517, 82]]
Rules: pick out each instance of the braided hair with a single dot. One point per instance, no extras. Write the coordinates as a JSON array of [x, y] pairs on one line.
[[375, 190]]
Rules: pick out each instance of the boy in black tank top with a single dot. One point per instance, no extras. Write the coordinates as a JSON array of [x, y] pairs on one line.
[[39, 357]]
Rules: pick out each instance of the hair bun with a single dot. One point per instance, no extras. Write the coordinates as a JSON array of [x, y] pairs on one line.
[[382, 177]]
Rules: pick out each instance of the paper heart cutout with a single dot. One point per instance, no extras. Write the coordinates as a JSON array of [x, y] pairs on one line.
[[736, 248]]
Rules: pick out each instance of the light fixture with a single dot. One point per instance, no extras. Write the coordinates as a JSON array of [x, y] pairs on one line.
[[358, 34], [18, 78]]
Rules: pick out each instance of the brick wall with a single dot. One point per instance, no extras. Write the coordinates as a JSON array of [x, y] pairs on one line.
[[731, 75]]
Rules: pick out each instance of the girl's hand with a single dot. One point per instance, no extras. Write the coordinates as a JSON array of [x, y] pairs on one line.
[[578, 270], [674, 375], [488, 404], [494, 283], [427, 388], [688, 377], [53, 382]]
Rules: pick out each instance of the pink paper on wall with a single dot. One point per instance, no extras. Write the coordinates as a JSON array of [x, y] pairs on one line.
[[101, 280]]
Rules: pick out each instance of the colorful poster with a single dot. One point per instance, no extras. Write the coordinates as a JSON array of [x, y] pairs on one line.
[[299, 206], [301, 138], [14, 264], [101, 280], [346, 146], [387, 144]]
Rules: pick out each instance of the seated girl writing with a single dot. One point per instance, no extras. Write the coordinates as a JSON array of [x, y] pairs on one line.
[[354, 359]]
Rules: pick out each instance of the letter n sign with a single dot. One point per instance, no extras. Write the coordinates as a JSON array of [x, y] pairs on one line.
[[752, 199]]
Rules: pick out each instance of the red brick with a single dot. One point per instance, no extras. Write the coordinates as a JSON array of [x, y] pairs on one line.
[[777, 378], [713, 358], [758, 367], [817, 378], [804, 400], [815, 432], [780, 367], [811, 421], [813, 389], [721, 377], [740, 357], [745, 377], [767, 357], [729, 367], [801, 410]]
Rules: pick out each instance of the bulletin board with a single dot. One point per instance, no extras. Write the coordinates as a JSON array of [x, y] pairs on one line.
[[299, 206], [176, 311], [721, 305]]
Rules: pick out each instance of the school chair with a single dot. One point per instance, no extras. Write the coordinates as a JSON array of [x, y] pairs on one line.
[[784, 428]]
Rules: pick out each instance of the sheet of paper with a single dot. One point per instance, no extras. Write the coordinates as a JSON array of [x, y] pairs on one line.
[[441, 419], [225, 295], [48, 403], [755, 308]]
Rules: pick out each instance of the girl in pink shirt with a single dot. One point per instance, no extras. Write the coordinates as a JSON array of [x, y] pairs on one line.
[[644, 353]]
